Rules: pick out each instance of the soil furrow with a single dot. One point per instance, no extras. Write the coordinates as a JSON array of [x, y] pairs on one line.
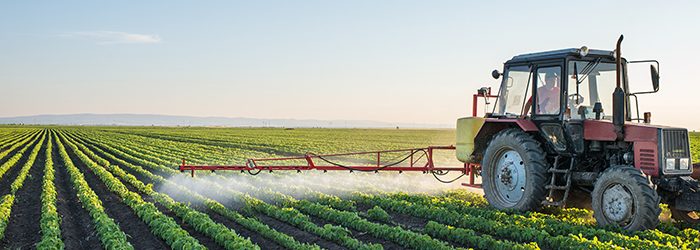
[[77, 229], [17, 149], [361, 236], [13, 172], [23, 230], [138, 232], [298, 234], [203, 239]]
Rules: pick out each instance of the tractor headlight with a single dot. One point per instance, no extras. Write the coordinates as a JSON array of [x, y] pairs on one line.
[[684, 163], [670, 163], [583, 51]]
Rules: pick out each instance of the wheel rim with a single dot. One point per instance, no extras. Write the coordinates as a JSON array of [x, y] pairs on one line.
[[618, 204], [509, 177]]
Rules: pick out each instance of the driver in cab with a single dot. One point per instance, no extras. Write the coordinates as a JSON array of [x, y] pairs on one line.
[[548, 95]]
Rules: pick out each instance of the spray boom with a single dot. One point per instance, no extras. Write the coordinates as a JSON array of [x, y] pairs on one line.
[[411, 160]]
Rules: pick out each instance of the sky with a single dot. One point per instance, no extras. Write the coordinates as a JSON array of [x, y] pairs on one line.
[[394, 61]]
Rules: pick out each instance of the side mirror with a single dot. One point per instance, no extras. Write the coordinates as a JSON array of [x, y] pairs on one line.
[[654, 77], [495, 74]]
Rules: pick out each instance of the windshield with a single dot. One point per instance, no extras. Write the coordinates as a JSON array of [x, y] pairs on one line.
[[514, 91], [590, 82]]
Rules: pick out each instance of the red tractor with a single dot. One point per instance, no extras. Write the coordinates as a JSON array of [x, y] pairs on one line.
[[561, 122]]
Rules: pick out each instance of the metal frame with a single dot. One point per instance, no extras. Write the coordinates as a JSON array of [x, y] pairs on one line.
[[475, 100], [313, 160]]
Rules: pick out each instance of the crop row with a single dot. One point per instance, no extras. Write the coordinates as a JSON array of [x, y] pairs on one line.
[[9, 199], [514, 231], [250, 223], [50, 220], [18, 155], [161, 225], [107, 229], [14, 138], [552, 225], [327, 201], [457, 233], [200, 220], [335, 231], [289, 215], [472, 238], [461, 235], [396, 234]]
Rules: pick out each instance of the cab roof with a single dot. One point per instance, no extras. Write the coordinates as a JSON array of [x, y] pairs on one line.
[[560, 54]]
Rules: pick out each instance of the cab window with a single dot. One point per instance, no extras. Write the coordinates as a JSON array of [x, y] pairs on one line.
[[590, 82], [548, 90], [514, 91]]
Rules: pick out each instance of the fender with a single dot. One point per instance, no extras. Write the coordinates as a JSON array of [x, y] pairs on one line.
[[492, 126]]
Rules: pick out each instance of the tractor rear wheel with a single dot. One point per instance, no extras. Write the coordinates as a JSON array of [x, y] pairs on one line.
[[513, 171], [622, 196]]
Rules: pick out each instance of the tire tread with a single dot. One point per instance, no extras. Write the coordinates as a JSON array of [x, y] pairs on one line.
[[537, 162], [651, 209]]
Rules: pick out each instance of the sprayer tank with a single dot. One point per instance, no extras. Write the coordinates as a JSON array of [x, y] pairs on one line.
[[467, 129]]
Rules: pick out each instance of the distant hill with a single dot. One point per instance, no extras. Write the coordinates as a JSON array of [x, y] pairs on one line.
[[169, 120]]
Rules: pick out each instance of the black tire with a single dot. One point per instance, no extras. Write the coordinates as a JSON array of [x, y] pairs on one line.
[[632, 203], [533, 165]]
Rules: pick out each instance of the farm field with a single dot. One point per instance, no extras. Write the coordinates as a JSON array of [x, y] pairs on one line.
[[119, 188]]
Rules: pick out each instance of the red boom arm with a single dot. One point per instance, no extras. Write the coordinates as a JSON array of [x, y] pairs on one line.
[[321, 162]]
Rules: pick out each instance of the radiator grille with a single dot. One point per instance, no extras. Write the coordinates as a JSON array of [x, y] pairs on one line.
[[675, 146], [647, 158], [676, 143]]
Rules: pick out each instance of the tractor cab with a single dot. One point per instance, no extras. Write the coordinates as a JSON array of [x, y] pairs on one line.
[[558, 90], [562, 84]]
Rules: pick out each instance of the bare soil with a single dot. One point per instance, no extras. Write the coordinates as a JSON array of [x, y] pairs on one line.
[[23, 229], [77, 230]]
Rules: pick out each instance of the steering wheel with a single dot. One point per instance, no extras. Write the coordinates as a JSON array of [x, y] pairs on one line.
[[573, 97], [574, 105]]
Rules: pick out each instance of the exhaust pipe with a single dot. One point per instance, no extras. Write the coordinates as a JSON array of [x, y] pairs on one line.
[[619, 95]]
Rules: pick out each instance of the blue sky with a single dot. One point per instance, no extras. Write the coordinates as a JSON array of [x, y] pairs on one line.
[[400, 61]]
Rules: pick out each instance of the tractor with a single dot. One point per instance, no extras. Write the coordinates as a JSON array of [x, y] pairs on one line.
[[561, 126], [562, 121]]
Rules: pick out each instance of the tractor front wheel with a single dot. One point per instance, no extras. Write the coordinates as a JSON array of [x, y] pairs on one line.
[[622, 196], [513, 171]]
